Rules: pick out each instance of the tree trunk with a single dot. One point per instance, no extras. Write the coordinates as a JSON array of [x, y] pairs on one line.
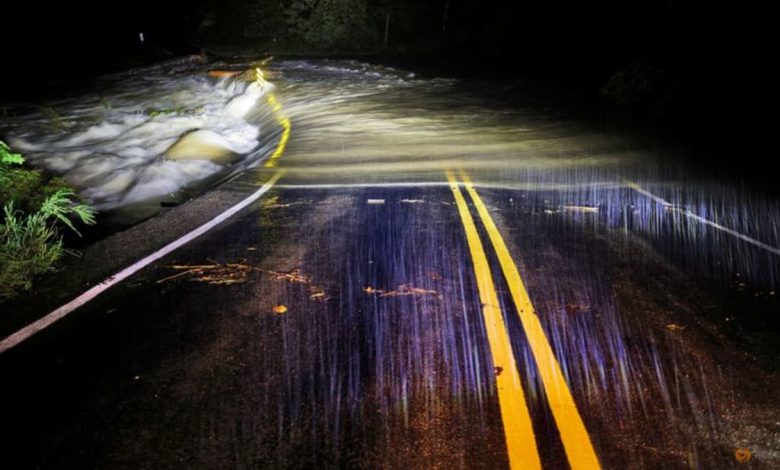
[[387, 28], [444, 16]]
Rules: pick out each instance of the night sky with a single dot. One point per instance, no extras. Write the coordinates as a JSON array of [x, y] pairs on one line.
[[712, 58], [680, 30]]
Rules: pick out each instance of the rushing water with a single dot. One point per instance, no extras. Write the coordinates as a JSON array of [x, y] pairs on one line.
[[118, 143], [355, 123]]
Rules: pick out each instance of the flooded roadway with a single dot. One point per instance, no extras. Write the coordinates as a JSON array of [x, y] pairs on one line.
[[342, 321]]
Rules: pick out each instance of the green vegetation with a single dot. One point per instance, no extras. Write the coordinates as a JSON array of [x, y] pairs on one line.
[[154, 112], [326, 24], [35, 208], [55, 122], [643, 86]]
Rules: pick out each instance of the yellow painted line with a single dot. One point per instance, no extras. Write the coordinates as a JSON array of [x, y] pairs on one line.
[[574, 436], [518, 430], [281, 118], [284, 121]]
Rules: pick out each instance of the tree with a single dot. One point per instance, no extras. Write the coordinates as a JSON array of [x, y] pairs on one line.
[[327, 24]]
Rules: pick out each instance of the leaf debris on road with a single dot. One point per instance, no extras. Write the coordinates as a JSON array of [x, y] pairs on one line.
[[402, 290], [216, 273], [237, 273], [279, 309]]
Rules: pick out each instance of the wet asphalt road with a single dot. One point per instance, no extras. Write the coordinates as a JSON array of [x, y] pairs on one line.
[[379, 358], [338, 322]]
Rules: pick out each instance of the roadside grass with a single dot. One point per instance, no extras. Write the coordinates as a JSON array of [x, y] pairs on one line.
[[35, 208]]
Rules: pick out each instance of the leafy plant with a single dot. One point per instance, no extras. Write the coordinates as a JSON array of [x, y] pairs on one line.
[[28, 188], [29, 246], [62, 204], [9, 158], [329, 23], [35, 207], [55, 119]]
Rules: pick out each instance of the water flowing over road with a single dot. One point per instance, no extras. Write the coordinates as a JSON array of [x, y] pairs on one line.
[[439, 273]]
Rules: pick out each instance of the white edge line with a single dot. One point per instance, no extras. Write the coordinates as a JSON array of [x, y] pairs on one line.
[[703, 220], [110, 281]]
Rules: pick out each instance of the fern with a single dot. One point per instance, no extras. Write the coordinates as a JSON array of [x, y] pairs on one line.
[[9, 158], [34, 208]]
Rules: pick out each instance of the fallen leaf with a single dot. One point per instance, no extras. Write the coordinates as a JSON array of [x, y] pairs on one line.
[[498, 370], [279, 309], [675, 327], [743, 455]]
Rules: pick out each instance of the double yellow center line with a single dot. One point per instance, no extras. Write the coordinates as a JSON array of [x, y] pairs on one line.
[[518, 430], [281, 118]]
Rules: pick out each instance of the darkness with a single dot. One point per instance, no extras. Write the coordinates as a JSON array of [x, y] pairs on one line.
[[690, 69]]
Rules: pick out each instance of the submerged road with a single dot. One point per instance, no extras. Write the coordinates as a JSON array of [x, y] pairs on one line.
[[427, 280]]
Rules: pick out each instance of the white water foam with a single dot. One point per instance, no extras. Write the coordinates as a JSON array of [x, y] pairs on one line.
[[112, 144]]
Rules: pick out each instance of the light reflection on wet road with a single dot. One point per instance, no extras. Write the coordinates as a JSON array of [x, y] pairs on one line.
[[380, 356]]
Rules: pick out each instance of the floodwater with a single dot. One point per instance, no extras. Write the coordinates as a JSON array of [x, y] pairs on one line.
[[654, 283], [356, 123], [116, 144]]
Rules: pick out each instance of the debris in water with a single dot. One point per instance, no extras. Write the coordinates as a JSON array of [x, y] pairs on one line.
[[279, 309], [223, 73]]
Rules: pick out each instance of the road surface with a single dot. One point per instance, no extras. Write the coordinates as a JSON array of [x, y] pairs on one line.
[[435, 279]]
